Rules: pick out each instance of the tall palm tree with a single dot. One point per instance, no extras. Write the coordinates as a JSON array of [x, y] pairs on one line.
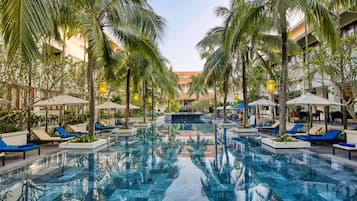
[[197, 86], [274, 13], [206, 47], [23, 23], [219, 64], [131, 22]]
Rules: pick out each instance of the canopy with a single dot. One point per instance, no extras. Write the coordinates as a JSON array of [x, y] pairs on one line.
[[241, 106], [61, 100], [262, 102], [311, 99], [130, 107], [4, 101], [109, 105]]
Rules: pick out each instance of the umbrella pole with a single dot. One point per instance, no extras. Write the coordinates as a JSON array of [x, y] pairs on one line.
[[46, 119], [308, 118], [64, 115], [273, 111]]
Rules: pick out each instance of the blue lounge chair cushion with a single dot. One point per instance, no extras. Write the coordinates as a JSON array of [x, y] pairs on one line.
[[346, 144], [330, 135], [120, 122], [24, 147], [101, 127], [295, 128], [65, 134], [268, 123]]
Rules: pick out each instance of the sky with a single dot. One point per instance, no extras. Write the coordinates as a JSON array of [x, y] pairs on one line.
[[187, 22]]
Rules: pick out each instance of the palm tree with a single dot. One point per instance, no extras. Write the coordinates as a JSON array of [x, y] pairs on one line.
[[23, 23], [213, 77], [131, 22], [197, 86], [273, 14], [219, 64]]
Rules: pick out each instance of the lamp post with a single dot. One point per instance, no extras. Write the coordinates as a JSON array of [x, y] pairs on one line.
[[270, 86]]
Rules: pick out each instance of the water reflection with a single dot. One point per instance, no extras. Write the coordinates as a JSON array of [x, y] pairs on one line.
[[150, 166]]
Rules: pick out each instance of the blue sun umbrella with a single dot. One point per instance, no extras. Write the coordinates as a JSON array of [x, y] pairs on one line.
[[241, 106]]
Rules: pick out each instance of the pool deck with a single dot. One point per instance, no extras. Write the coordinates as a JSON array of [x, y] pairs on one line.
[[14, 159]]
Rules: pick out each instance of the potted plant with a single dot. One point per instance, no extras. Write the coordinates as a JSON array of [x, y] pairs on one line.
[[285, 141]]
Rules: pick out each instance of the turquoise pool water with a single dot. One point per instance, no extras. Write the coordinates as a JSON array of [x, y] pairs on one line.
[[181, 162]]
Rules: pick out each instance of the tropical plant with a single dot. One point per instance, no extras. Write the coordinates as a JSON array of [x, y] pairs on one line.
[[218, 66], [272, 15], [23, 23], [197, 86], [328, 64]]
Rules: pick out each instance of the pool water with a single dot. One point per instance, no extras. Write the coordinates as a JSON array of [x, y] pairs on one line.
[[181, 162]]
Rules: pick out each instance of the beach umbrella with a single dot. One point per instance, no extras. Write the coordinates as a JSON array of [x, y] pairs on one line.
[[311, 99], [61, 100], [263, 102], [241, 106], [109, 105], [130, 107]]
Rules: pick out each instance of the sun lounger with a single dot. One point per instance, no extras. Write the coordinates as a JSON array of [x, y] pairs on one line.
[[42, 135], [270, 128], [18, 148], [267, 123], [329, 136], [295, 128], [315, 130], [345, 147], [76, 129], [65, 134], [291, 131], [101, 127]]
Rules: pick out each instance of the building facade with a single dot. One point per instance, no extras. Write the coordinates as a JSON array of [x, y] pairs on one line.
[[186, 100]]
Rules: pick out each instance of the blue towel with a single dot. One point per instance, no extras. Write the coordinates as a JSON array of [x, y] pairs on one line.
[[346, 144]]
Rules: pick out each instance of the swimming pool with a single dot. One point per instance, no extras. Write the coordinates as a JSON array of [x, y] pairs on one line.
[[180, 162]]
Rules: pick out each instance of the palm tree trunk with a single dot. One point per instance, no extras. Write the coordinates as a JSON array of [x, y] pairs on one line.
[[127, 98], [144, 100], [244, 77], [29, 100], [225, 89], [284, 74], [152, 100], [215, 100], [224, 107], [91, 91]]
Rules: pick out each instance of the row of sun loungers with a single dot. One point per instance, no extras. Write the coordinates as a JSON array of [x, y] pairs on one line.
[[43, 136], [316, 133]]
